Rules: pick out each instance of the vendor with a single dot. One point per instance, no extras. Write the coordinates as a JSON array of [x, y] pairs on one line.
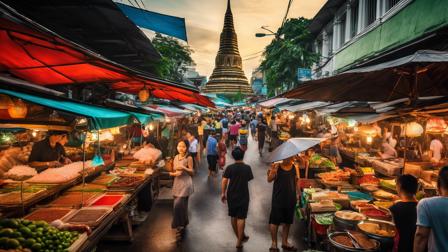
[[436, 148], [49, 152], [388, 151]]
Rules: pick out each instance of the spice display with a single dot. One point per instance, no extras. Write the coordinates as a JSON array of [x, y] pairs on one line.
[[74, 199], [108, 200], [89, 216], [350, 215], [124, 182], [48, 214], [377, 229]]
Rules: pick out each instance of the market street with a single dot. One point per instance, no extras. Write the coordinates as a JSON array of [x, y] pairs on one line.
[[209, 228]]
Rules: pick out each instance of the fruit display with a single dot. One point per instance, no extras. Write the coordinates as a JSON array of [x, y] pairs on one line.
[[34, 235], [317, 161]]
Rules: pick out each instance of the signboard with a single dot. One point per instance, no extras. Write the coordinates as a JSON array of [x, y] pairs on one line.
[[303, 74]]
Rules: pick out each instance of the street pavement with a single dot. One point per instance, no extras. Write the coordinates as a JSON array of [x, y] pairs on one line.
[[209, 229]]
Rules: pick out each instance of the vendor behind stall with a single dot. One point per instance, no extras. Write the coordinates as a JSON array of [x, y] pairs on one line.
[[436, 148], [388, 151], [49, 152]]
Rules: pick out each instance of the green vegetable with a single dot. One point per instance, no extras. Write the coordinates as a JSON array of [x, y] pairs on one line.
[[7, 232]]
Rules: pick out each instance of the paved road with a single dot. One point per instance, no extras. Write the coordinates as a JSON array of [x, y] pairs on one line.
[[210, 228]]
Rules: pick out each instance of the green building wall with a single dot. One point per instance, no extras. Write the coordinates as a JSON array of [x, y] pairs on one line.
[[418, 18]]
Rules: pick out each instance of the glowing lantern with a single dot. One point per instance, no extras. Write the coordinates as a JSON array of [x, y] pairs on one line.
[[151, 127], [5, 101], [17, 109], [369, 139], [291, 116], [143, 95], [436, 125], [413, 129], [368, 130]]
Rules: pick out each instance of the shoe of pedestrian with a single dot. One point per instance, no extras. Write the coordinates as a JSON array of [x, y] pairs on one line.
[[289, 248]]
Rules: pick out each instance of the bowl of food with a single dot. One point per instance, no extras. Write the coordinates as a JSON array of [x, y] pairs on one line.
[[352, 241], [346, 219], [378, 229]]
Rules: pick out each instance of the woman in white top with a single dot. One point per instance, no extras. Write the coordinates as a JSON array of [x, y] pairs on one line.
[[436, 148], [182, 171]]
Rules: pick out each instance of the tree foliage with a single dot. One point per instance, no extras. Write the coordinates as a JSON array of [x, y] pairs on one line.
[[175, 57], [288, 51]]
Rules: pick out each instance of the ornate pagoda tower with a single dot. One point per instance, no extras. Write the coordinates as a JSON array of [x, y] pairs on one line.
[[228, 76]]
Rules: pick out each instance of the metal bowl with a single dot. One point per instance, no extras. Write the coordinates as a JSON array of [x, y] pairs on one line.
[[350, 249], [384, 225]]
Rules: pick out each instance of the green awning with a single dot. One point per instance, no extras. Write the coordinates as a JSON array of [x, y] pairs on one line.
[[99, 117], [146, 118]]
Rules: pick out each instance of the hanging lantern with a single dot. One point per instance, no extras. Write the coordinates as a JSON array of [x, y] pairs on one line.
[[369, 139], [5, 101], [413, 129], [368, 130], [17, 109], [436, 125], [143, 94]]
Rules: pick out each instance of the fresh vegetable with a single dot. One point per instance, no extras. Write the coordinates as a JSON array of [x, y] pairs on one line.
[[34, 235]]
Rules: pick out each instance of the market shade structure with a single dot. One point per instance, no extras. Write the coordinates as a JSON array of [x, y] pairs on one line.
[[273, 102], [293, 146], [42, 57], [99, 117], [99, 25], [413, 76]]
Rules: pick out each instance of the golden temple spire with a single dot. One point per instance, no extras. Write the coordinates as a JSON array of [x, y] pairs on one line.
[[228, 76]]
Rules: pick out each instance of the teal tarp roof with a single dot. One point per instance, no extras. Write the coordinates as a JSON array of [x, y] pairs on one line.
[[99, 117]]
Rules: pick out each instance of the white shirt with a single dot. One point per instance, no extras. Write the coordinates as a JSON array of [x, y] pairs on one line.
[[193, 146], [392, 142], [436, 147], [388, 151]]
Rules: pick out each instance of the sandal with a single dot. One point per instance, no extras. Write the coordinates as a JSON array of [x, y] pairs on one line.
[[274, 249], [289, 248]]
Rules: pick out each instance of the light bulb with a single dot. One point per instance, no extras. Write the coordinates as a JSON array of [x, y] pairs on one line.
[[34, 133], [369, 139]]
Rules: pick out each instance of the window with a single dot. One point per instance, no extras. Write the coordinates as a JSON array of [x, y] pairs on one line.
[[370, 11], [391, 3], [354, 19], [330, 43], [342, 29]]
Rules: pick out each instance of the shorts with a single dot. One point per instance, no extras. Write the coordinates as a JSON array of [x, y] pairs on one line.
[[239, 212], [212, 161], [233, 137], [281, 215], [224, 131]]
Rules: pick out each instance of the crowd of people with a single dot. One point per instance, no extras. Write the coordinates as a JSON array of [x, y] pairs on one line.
[[420, 225]]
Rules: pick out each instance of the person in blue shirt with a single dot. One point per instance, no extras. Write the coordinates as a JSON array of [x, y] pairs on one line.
[[212, 153], [432, 219], [253, 127]]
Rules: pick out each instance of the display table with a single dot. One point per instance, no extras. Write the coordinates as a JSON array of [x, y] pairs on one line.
[[388, 168]]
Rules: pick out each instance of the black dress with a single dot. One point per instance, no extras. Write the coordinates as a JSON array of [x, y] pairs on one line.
[[284, 197], [261, 127]]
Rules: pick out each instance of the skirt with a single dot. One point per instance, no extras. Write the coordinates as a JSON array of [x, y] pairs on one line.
[[180, 212]]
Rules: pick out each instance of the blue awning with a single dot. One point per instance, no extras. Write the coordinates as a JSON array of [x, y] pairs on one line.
[[99, 117], [168, 25]]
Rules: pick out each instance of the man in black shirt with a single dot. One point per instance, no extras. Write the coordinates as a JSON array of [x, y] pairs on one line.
[[236, 192], [404, 212], [49, 152]]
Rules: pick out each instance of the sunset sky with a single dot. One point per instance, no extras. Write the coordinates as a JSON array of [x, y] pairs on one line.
[[204, 20]]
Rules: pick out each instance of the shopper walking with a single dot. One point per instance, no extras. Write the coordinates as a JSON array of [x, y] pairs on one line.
[[261, 135], [235, 190], [193, 149], [404, 212], [212, 153], [233, 133], [222, 152], [284, 199], [182, 171], [432, 219]]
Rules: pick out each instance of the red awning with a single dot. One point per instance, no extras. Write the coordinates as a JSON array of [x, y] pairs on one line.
[[45, 59]]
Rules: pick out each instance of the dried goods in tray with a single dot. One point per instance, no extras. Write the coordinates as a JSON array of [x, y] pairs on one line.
[[14, 198], [105, 179], [90, 216], [88, 188], [108, 200], [126, 182], [48, 214], [74, 199]]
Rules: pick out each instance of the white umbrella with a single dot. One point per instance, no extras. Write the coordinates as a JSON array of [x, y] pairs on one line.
[[293, 147]]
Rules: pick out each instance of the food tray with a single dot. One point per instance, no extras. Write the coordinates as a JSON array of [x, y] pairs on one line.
[[48, 214], [332, 236], [107, 200], [105, 179], [13, 198], [90, 216], [88, 188], [74, 199], [127, 182]]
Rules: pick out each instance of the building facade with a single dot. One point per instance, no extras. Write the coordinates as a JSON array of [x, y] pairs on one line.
[[355, 33]]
